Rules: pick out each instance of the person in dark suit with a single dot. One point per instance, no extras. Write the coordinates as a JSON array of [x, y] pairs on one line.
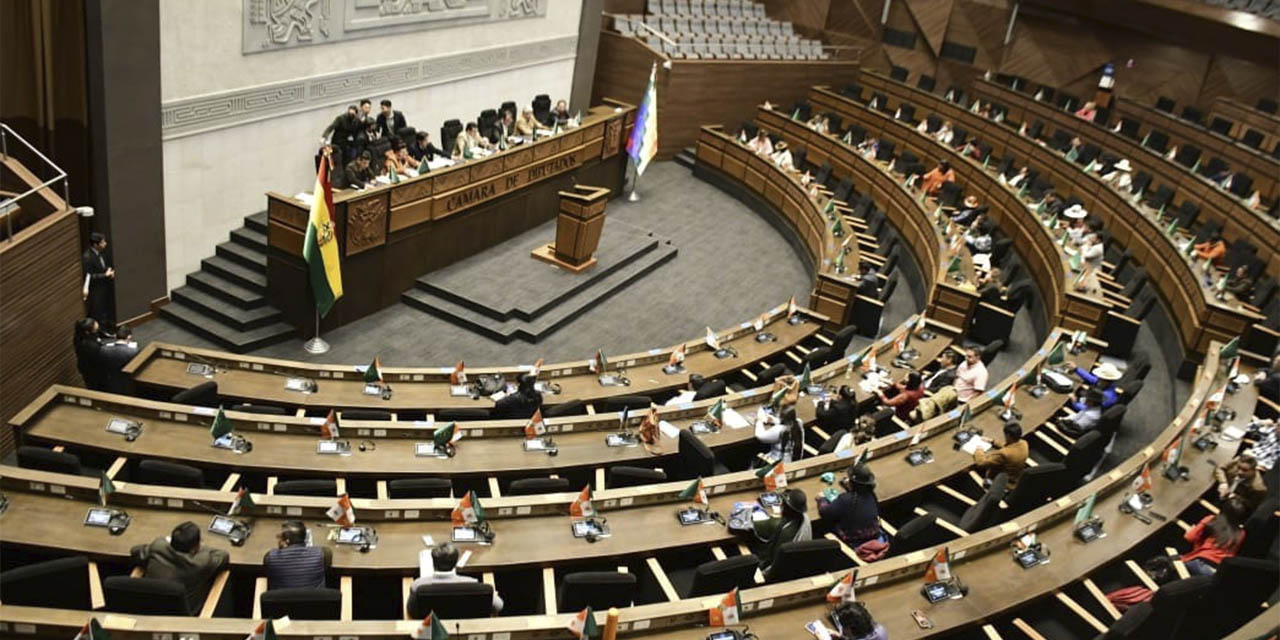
[[868, 281], [946, 372], [343, 131], [505, 127], [99, 289], [423, 149], [88, 345], [357, 174], [113, 356], [522, 403], [182, 560], [838, 412], [390, 121]]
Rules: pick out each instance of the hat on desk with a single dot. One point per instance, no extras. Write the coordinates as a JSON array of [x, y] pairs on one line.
[[1107, 371], [1123, 165], [971, 201], [1075, 212]]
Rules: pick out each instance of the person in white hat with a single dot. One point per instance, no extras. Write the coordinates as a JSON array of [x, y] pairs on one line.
[[1076, 227], [1120, 176], [966, 214], [1103, 378]]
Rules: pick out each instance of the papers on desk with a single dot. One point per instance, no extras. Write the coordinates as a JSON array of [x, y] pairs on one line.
[[304, 197], [681, 398], [1232, 433], [382, 180], [874, 382], [459, 390], [438, 163], [734, 420], [669, 430], [975, 444], [982, 261], [426, 566]]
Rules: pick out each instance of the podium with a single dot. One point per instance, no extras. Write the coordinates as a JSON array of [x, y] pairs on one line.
[[578, 229]]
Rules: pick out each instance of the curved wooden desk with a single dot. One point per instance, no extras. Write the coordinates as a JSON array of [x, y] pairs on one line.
[[1245, 116]]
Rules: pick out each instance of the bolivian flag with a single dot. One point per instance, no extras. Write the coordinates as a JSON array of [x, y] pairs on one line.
[[320, 249]]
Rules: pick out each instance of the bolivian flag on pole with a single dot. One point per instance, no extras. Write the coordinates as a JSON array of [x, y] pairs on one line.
[[320, 249], [643, 144]]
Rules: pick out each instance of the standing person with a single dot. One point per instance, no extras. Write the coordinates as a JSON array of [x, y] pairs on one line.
[[390, 121], [342, 133], [181, 559], [293, 564], [1216, 538], [854, 514], [1011, 459], [88, 345], [99, 284]]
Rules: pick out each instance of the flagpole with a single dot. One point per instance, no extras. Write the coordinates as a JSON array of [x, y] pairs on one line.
[[316, 345], [635, 177]]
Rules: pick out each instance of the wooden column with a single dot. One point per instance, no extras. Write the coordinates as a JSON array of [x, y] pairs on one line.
[[578, 229]]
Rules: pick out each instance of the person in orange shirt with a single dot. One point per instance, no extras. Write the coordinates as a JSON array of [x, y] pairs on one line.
[[932, 181], [1214, 249]]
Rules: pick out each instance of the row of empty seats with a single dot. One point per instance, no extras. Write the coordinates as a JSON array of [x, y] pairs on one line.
[[751, 28], [711, 50], [723, 8]]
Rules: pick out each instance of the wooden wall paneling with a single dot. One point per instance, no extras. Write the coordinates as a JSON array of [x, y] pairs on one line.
[[41, 279], [931, 18], [810, 14], [1244, 81], [981, 26]]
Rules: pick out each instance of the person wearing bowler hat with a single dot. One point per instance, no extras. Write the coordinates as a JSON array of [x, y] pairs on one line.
[[792, 526], [1121, 175], [1103, 378], [969, 212], [854, 514]]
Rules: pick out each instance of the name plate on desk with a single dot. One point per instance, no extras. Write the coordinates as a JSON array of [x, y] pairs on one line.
[[372, 389], [621, 440], [613, 381], [300, 385], [199, 369], [428, 450], [334, 447], [459, 390]]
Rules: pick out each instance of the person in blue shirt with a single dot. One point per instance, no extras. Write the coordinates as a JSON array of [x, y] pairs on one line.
[[1103, 378]]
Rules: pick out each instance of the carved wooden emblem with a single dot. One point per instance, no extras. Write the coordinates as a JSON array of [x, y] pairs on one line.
[[612, 137], [366, 224]]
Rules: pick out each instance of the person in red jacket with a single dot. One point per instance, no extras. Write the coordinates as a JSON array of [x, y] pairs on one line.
[[1216, 538]]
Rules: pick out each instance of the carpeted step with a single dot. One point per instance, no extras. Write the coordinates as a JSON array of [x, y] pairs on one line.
[[251, 238], [245, 256], [257, 221], [224, 311], [227, 290], [226, 336], [246, 277]]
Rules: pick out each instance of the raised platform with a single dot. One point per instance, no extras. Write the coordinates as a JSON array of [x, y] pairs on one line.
[[524, 299]]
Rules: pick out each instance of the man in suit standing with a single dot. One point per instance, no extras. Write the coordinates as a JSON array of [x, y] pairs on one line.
[[99, 284], [443, 569], [390, 121], [181, 559]]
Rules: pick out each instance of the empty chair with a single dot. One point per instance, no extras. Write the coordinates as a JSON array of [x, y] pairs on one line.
[[1083, 455], [695, 458], [853, 92], [1164, 104], [571, 408], [1157, 141], [532, 486], [720, 576], [204, 394], [1188, 155], [261, 409], [1037, 486], [1266, 105], [1191, 114], [816, 358], [365, 414], [1130, 624], [302, 604], [1241, 185], [30, 457], [829, 445], [1221, 126], [1161, 197], [991, 350], [170, 474], [802, 559], [907, 113], [889, 288], [983, 513], [451, 600], [419, 488], [145, 596], [625, 476], [1240, 587], [842, 190], [926, 83], [898, 73], [461, 414], [320, 487], [596, 589], [1129, 128], [918, 533], [60, 584], [880, 101], [451, 128], [823, 174], [618, 403]]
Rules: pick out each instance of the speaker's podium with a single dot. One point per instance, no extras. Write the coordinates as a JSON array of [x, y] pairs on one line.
[[578, 229]]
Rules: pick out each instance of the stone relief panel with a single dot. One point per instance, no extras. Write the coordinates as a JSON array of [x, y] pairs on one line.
[[270, 25]]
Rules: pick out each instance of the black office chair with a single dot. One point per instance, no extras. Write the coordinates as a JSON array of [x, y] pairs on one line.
[[204, 394], [853, 92], [720, 576], [1241, 185], [366, 414], [302, 604], [767, 376], [695, 458], [449, 132], [1252, 138], [30, 457], [804, 109], [829, 445], [618, 403], [889, 287], [907, 113], [145, 596], [452, 600], [1130, 625], [1191, 114], [1037, 486], [596, 589], [571, 408], [420, 488], [898, 73], [991, 350], [1110, 421], [1240, 587], [803, 559], [261, 409], [170, 474], [59, 584], [1165, 104], [949, 194], [407, 135], [823, 174], [1188, 155], [884, 152], [1129, 391], [926, 83], [984, 512], [1266, 105], [462, 414], [1083, 455], [534, 486], [843, 189], [710, 389], [799, 159], [1176, 606], [856, 133], [1221, 126], [918, 533], [625, 476], [815, 359], [318, 487]]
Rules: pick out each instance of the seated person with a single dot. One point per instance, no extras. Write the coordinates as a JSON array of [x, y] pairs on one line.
[[945, 134], [181, 559], [1074, 148], [819, 123], [932, 181], [526, 124], [868, 280], [1103, 378], [1241, 478], [470, 143], [761, 144], [1088, 112], [1121, 175], [1085, 419], [1213, 249], [398, 158], [854, 515], [506, 127], [116, 354], [793, 526], [792, 387], [1092, 251], [560, 114], [869, 147], [690, 390], [945, 375], [907, 394], [293, 564], [856, 623], [1240, 284], [1053, 204], [1011, 459], [990, 287], [782, 157], [521, 403], [88, 346], [1215, 538], [838, 411], [783, 435], [1268, 380], [357, 173], [1019, 178], [971, 376], [1076, 227], [967, 213], [424, 150], [443, 569], [978, 238]]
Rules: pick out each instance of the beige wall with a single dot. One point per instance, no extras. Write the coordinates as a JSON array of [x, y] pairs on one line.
[[217, 169]]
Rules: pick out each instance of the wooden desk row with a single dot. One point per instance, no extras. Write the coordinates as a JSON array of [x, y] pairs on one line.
[[391, 234], [889, 586], [1198, 316], [1239, 221], [1247, 117], [163, 367]]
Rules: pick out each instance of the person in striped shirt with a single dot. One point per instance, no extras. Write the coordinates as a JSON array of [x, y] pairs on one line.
[[294, 564]]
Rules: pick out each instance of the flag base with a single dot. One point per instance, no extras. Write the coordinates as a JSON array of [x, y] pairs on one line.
[[633, 196], [316, 345]]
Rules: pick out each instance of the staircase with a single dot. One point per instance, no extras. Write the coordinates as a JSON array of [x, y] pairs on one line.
[[225, 301]]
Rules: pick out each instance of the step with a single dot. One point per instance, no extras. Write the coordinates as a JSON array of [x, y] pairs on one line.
[[687, 157], [235, 272], [505, 331], [220, 287], [257, 221], [251, 238], [585, 280], [223, 311], [246, 256], [227, 337]]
